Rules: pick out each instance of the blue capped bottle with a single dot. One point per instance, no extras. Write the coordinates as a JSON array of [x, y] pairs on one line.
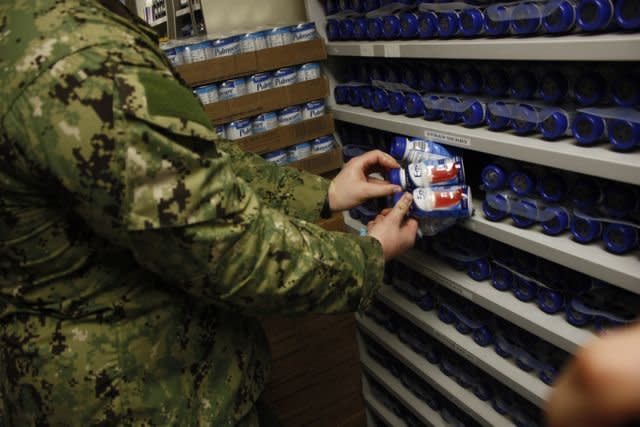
[[496, 82], [554, 87], [448, 24], [595, 15], [590, 89], [472, 22], [626, 90], [627, 14], [526, 19], [624, 135], [497, 21], [559, 17], [620, 238], [588, 129]]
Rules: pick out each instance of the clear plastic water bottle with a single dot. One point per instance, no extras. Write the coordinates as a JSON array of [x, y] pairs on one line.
[[595, 15]]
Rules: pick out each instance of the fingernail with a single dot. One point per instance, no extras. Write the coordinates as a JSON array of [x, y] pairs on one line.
[[408, 197], [397, 189]]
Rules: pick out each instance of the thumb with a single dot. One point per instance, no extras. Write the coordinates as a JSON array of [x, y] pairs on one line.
[[399, 211]]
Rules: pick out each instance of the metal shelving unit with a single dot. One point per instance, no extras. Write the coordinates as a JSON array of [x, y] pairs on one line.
[[565, 154], [378, 409], [523, 383], [578, 47], [464, 399]]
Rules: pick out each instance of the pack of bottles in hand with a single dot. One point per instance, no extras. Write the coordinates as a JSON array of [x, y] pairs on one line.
[[198, 49], [482, 385], [429, 19], [530, 353], [590, 209], [585, 301], [597, 105]]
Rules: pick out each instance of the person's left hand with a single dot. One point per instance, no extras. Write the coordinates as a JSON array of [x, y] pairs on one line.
[[353, 186]]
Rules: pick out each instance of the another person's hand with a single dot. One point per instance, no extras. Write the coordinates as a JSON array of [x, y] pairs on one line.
[[395, 232], [353, 186], [601, 386]]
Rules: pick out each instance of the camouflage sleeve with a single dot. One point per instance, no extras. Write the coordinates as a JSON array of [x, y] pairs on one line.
[[132, 152], [298, 194]]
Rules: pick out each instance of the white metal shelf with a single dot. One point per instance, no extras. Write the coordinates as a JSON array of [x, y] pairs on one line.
[[504, 370], [564, 154], [577, 47], [379, 410], [619, 270], [464, 399], [419, 408], [553, 329]]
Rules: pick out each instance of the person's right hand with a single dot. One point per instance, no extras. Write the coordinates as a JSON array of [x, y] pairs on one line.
[[395, 232]]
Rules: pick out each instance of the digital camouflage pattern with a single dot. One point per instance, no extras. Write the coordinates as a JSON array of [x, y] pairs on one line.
[[134, 250]]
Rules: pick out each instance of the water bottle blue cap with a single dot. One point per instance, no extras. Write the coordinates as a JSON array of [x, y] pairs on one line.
[[554, 126], [521, 183], [523, 85], [354, 96], [432, 113], [552, 187], [451, 116], [396, 103], [524, 213], [448, 24], [427, 25], [586, 193], [585, 230], [380, 101], [341, 94], [415, 106], [493, 177], [390, 27], [620, 238], [471, 22], [395, 177], [559, 17], [474, 115], [497, 27], [594, 15], [557, 222], [408, 25], [471, 81], [398, 147], [374, 28], [589, 89], [627, 14], [624, 135], [626, 91], [526, 19], [449, 81], [553, 87], [428, 79], [366, 96], [410, 78], [588, 129], [527, 120], [497, 122], [360, 28], [346, 29], [496, 82], [495, 207], [333, 30]]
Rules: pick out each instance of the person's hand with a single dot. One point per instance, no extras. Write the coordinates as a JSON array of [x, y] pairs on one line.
[[601, 386], [395, 232], [353, 186]]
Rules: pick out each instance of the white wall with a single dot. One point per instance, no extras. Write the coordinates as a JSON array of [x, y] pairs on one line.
[[229, 16]]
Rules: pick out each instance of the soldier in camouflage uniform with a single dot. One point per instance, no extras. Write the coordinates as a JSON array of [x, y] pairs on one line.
[[134, 250]]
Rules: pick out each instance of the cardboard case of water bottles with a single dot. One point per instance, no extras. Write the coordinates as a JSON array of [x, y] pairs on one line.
[[265, 90]]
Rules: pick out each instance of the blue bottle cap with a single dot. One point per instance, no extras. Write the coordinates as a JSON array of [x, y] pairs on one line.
[[496, 122], [554, 126], [428, 79], [391, 27], [559, 17], [619, 238], [396, 103], [552, 187], [360, 28], [471, 22], [524, 85], [522, 183], [346, 29], [494, 177], [398, 147], [502, 279], [395, 177], [354, 96], [380, 100], [474, 115], [449, 81], [499, 26], [496, 82], [394, 74], [378, 72], [524, 214], [526, 19], [415, 106], [366, 96], [586, 193], [374, 28], [448, 24], [589, 89], [495, 207], [588, 129], [341, 94], [585, 230], [471, 81], [410, 77], [594, 15], [526, 122], [556, 220], [427, 25], [624, 135], [627, 14], [333, 30], [408, 25], [626, 90], [480, 270], [432, 113], [553, 87]]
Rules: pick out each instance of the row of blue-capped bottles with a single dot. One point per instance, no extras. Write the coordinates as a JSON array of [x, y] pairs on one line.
[[591, 209], [482, 385], [554, 288], [397, 20]]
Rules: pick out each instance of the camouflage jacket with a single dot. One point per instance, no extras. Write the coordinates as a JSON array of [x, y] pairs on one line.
[[134, 248]]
